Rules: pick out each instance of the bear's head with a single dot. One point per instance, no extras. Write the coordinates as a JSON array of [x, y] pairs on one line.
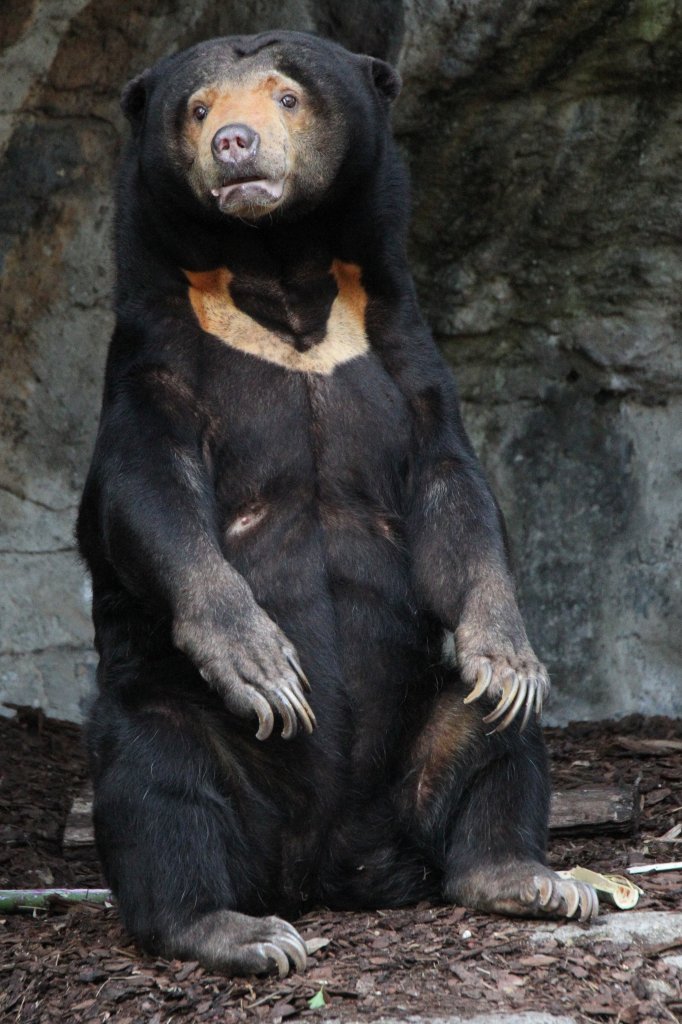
[[250, 125]]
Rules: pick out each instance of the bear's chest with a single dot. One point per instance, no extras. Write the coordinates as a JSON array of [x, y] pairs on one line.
[[341, 439], [301, 403], [309, 323]]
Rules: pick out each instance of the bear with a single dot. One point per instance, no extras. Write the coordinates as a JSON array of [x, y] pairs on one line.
[[314, 687]]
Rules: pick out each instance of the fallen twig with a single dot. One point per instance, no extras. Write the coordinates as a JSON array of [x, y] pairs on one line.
[[32, 899], [652, 748], [654, 869]]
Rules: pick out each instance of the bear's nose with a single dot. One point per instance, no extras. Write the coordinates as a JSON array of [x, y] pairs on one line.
[[234, 143]]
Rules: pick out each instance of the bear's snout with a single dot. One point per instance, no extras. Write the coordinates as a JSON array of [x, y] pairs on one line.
[[235, 143]]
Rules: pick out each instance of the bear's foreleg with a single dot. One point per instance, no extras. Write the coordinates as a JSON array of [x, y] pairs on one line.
[[155, 511], [462, 573]]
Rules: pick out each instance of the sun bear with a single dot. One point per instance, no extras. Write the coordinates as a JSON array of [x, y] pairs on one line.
[[315, 686]]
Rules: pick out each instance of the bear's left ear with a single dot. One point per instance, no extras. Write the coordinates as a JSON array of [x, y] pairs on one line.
[[385, 78]]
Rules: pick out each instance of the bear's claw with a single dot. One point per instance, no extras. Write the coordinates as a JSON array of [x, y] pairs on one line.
[[561, 897], [299, 672], [254, 667], [519, 683]]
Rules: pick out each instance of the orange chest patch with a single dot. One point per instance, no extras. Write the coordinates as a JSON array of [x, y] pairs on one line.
[[345, 337]]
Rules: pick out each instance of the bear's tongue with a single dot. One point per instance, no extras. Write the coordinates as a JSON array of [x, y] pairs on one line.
[[249, 185]]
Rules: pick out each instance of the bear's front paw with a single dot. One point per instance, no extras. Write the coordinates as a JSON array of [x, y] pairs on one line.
[[518, 682], [255, 668]]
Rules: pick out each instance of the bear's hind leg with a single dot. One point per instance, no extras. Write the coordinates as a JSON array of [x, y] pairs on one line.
[[481, 805], [189, 872], [495, 858]]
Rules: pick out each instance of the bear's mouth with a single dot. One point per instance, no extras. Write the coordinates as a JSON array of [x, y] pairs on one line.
[[251, 188]]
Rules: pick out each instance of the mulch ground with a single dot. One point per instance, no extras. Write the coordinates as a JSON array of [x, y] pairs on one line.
[[76, 965]]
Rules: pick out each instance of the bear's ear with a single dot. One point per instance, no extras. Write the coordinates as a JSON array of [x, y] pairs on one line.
[[385, 78], [134, 98]]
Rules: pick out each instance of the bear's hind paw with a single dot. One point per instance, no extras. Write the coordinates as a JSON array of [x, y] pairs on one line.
[[526, 890], [234, 943]]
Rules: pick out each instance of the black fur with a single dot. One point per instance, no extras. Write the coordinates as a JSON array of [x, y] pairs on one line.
[[376, 526]]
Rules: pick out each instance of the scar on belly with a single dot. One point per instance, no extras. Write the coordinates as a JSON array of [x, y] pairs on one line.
[[345, 337]]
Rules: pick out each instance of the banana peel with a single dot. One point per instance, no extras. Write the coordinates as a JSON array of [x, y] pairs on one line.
[[615, 889]]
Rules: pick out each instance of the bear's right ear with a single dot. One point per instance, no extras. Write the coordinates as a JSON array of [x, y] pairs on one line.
[[134, 98]]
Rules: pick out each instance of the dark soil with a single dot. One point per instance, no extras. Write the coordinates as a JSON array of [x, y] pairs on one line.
[[76, 965]]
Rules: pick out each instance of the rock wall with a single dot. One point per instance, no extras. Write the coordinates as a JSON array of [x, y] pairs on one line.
[[545, 145]]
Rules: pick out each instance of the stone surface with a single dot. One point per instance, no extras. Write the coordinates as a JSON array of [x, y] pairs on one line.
[[544, 144], [480, 1018], [646, 928]]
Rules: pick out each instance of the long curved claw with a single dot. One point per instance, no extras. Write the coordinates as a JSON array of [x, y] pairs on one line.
[[304, 712], [571, 896], [483, 681], [295, 950], [514, 709], [539, 697], [530, 700], [282, 703], [509, 691], [595, 904], [266, 719], [589, 903], [279, 957], [300, 673], [545, 890]]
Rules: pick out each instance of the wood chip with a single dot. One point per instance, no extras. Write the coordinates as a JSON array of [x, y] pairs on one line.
[[600, 1009], [314, 945], [671, 835], [538, 960]]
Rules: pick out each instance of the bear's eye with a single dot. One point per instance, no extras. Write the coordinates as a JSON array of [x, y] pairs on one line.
[[200, 112], [289, 100]]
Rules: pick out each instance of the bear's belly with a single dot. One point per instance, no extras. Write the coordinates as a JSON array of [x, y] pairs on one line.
[[313, 485]]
